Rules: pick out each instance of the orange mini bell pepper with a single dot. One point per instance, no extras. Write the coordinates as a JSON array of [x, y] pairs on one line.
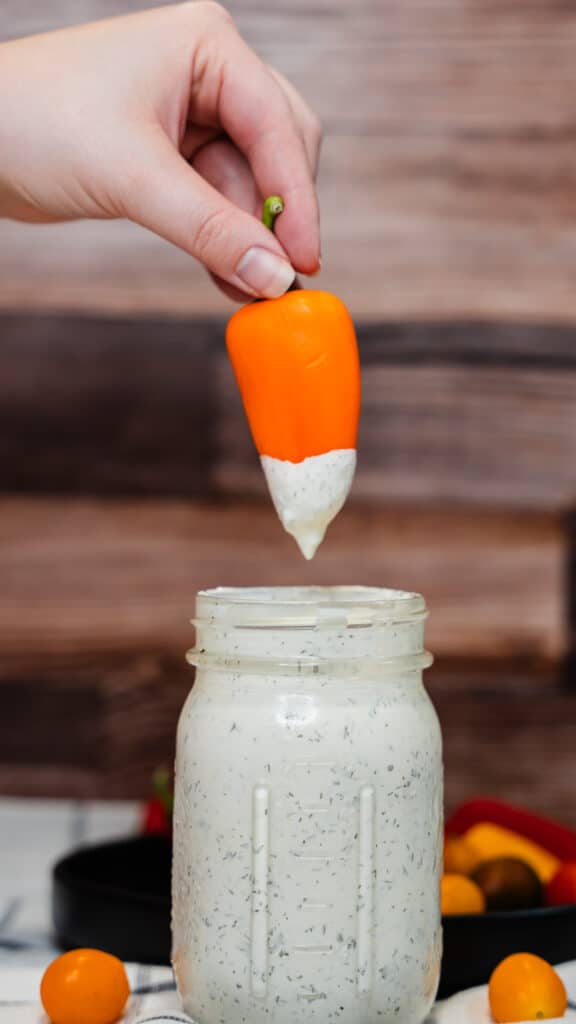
[[296, 363], [297, 367]]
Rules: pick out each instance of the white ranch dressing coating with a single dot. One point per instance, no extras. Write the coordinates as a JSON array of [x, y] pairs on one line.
[[308, 495]]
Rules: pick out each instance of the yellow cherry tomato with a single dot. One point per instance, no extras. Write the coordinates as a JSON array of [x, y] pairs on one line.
[[85, 986], [460, 895], [459, 857], [525, 987]]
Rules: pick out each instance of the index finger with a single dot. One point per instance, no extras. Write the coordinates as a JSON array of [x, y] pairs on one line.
[[256, 114]]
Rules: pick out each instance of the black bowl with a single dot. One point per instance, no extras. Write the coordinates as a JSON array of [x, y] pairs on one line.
[[474, 944], [117, 897]]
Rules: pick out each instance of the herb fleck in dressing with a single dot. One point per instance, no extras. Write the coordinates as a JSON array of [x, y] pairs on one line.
[[308, 811]]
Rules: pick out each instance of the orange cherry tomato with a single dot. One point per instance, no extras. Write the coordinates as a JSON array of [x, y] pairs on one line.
[[85, 986], [459, 857], [525, 987], [460, 895]]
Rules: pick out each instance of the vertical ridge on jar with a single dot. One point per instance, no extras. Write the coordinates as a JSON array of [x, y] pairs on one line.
[[365, 910], [260, 870]]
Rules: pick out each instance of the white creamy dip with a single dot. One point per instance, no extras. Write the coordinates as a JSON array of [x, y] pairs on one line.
[[308, 812], [308, 495]]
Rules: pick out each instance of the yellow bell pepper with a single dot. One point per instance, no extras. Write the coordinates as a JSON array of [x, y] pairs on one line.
[[489, 841]]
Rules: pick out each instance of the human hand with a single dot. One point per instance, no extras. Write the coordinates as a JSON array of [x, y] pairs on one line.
[[165, 117]]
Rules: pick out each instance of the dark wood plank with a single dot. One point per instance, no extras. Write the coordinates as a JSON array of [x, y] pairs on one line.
[[89, 727], [105, 406], [506, 733], [103, 579], [464, 429], [570, 601], [447, 184], [53, 720], [474, 413]]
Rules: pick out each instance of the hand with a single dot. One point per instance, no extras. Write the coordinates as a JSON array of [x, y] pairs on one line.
[[168, 118]]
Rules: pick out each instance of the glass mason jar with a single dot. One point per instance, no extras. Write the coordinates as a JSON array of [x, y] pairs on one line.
[[308, 811]]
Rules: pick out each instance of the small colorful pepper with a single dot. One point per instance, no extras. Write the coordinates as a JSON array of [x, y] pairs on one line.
[[491, 841], [297, 367], [158, 810], [555, 838]]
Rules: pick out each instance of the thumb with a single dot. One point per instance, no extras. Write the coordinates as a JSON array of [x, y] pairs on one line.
[[169, 198]]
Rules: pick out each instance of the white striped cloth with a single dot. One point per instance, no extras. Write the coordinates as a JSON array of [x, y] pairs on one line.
[[19, 987]]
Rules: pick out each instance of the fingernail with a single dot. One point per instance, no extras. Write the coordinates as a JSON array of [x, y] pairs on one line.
[[265, 273], [318, 269]]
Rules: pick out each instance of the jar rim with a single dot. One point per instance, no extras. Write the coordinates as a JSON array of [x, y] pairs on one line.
[[314, 605]]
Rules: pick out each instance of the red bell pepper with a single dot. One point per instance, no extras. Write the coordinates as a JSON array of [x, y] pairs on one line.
[[555, 838]]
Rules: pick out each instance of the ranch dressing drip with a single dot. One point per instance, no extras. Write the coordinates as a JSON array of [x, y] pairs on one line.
[[308, 822], [308, 495]]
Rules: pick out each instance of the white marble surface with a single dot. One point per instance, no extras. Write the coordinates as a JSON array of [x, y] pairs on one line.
[[35, 833]]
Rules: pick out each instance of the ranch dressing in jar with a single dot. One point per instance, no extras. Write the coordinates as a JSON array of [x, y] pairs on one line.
[[308, 811]]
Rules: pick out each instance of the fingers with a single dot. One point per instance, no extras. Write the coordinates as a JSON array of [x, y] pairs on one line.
[[170, 198], [307, 122], [224, 167], [231, 293], [255, 112], [195, 138], [236, 295], [221, 164]]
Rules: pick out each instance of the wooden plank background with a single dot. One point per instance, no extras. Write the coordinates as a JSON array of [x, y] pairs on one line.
[[118, 578], [96, 597], [128, 480], [448, 179]]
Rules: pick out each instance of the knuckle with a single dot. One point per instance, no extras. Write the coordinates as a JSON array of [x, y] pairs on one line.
[[211, 11], [209, 234]]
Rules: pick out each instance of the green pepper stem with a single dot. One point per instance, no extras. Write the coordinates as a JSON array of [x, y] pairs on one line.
[[273, 207]]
